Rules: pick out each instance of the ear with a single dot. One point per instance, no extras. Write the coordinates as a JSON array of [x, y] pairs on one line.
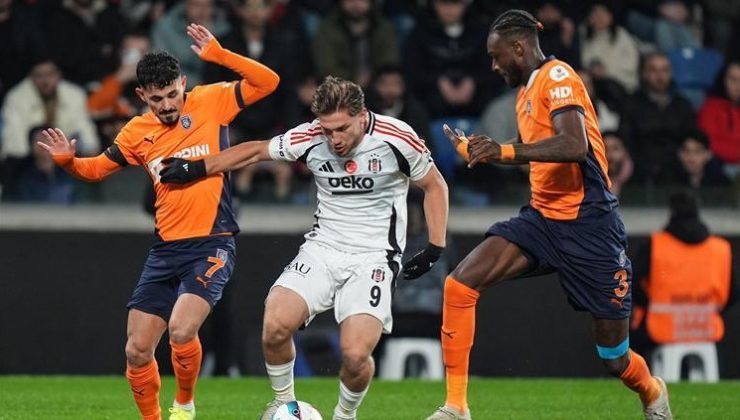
[[184, 80], [140, 93], [517, 47]]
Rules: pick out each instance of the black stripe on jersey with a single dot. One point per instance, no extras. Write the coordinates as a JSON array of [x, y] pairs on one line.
[[304, 156], [403, 163], [566, 109], [114, 153], [352, 192], [392, 231], [238, 94], [370, 123]]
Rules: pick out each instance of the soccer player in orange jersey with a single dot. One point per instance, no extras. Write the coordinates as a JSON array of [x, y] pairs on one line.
[[193, 258], [571, 225]]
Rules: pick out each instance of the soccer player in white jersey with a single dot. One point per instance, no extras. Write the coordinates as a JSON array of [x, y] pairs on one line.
[[362, 164]]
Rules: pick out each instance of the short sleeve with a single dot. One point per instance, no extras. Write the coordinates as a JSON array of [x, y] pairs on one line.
[[563, 90], [414, 159], [291, 145], [123, 148]]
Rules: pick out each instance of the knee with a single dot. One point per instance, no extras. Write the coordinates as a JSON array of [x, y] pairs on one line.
[[181, 334], [355, 361], [137, 353], [275, 332], [615, 367]]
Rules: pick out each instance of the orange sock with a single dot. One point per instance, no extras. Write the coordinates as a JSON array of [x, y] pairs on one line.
[[145, 384], [458, 330], [186, 360], [637, 377]]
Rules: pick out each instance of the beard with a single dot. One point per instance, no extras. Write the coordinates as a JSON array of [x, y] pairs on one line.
[[515, 77]]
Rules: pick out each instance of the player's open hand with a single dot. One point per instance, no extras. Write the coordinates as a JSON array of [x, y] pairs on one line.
[[181, 171], [422, 262], [56, 143], [482, 149], [201, 36]]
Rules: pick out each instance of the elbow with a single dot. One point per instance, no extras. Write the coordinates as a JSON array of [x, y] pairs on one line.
[[580, 149], [272, 83]]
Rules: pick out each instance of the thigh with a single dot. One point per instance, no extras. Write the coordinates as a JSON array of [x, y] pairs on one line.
[[189, 313], [205, 267], [308, 277], [493, 260], [359, 334], [144, 330], [369, 291], [286, 308]]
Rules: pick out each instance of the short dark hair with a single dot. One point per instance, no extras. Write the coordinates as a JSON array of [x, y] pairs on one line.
[[336, 94], [516, 23], [158, 69], [698, 135]]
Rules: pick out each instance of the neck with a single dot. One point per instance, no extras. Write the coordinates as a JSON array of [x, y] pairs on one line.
[[532, 63]]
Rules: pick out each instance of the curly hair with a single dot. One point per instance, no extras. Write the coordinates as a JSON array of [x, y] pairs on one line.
[[157, 69], [516, 23]]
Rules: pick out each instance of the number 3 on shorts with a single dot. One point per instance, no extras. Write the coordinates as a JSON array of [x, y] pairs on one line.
[[375, 296]]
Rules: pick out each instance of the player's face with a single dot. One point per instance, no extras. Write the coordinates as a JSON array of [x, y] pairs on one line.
[[167, 102], [343, 130], [505, 57]]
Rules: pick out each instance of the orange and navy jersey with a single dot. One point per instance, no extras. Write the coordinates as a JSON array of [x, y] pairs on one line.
[[563, 191], [201, 208]]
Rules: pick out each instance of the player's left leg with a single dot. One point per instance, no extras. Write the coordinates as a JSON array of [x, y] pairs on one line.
[[359, 334], [612, 344]]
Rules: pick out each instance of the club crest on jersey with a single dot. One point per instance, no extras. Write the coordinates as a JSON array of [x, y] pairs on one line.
[[350, 166], [558, 73], [378, 275], [529, 106], [374, 165], [221, 254], [186, 121]]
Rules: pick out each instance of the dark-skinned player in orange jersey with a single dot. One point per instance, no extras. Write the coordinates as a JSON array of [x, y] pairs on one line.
[[193, 258], [570, 226]]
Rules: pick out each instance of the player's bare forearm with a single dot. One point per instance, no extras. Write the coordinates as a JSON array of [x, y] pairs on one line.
[[260, 79], [238, 156], [558, 148], [436, 206]]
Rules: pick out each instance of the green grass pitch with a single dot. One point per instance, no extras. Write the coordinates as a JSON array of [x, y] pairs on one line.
[[83, 398]]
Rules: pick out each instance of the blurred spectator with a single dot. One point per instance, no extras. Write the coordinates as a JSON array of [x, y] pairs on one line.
[[300, 111], [22, 43], [143, 13], [684, 278], [388, 96], [608, 114], [696, 167], [655, 118], [43, 98], [498, 120], [353, 41], [720, 17], [605, 42], [167, 34], [446, 62], [621, 166], [116, 95], [719, 117], [558, 38], [83, 37], [669, 29], [39, 179]]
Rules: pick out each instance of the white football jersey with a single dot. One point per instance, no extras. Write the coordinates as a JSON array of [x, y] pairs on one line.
[[361, 196]]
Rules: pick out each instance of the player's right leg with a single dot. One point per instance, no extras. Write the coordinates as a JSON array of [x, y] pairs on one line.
[[285, 312], [493, 260], [144, 332]]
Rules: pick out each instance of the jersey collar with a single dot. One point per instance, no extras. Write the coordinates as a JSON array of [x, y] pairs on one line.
[[537, 71]]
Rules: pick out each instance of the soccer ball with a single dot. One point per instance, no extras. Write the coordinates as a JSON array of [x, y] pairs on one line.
[[296, 410]]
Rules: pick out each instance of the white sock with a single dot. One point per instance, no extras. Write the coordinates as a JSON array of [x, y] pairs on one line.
[[281, 377], [349, 401], [188, 406]]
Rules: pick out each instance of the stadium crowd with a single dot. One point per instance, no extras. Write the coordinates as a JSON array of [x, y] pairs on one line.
[[664, 77]]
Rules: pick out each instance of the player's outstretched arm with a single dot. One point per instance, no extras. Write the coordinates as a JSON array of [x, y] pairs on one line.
[[182, 171], [436, 209], [92, 169], [259, 79], [569, 144]]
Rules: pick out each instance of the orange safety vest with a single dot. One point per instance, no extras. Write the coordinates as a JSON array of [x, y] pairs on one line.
[[689, 284]]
